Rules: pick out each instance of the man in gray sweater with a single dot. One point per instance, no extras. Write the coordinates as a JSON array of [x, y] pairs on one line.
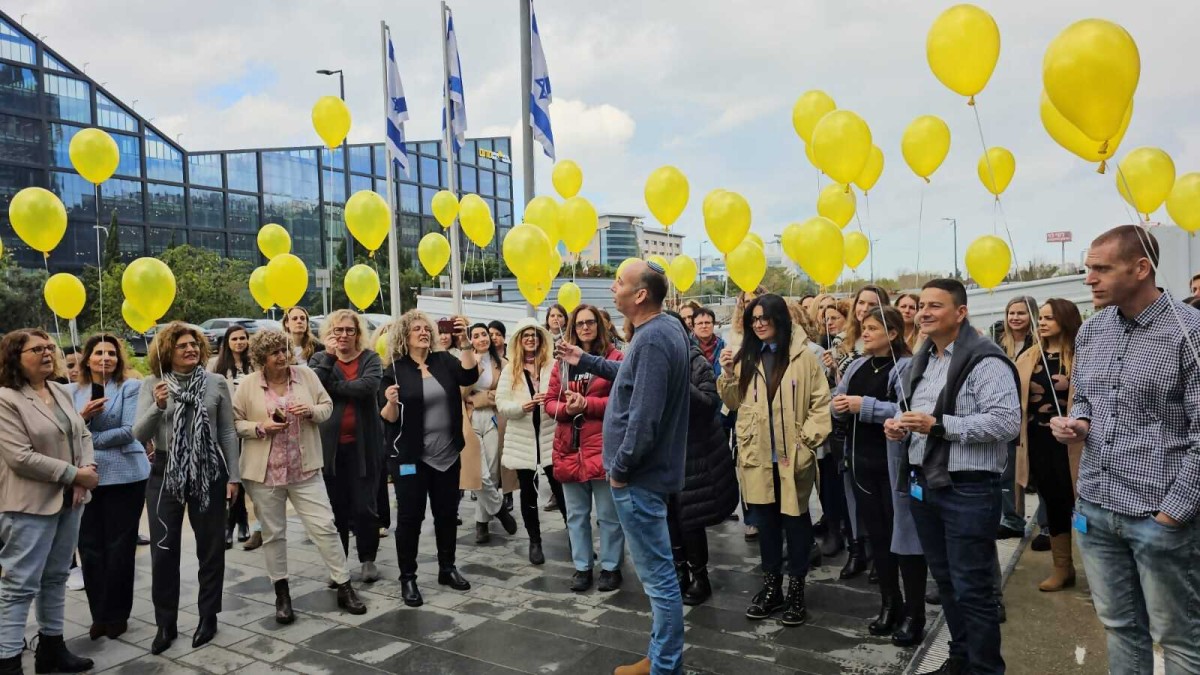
[[645, 440]]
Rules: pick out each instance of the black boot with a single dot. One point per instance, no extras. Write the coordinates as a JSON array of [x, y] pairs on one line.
[[794, 611], [699, 590], [889, 614], [283, 603], [768, 600], [581, 582], [52, 656], [450, 577], [206, 630], [910, 632], [229, 535], [856, 563], [482, 535], [814, 555], [11, 666], [536, 556], [409, 592], [873, 575], [348, 600], [163, 638], [683, 576]]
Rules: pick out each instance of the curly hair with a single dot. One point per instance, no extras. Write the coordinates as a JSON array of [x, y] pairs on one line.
[[265, 343], [397, 337], [162, 347], [336, 317], [11, 375], [800, 318]]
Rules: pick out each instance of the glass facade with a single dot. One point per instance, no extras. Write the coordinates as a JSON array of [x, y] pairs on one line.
[[163, 195]]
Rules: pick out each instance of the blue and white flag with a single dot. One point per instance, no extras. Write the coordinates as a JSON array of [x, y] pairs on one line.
[[397, 111], [540, 96], [458, 104]]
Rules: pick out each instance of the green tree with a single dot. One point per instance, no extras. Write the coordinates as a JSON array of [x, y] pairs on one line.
[[411, 279], [21, 304], [112, 244], [208, 285]]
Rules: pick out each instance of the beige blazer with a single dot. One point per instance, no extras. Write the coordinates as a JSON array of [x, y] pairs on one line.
[[250, 409], [36, 452]]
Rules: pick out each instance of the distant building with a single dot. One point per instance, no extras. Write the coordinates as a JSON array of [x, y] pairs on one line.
[[624, 235]]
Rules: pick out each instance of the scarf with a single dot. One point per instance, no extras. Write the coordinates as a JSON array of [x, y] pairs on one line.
[[709, 348], [194, 462]]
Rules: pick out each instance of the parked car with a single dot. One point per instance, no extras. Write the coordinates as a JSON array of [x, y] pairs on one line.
[[140, 344], [214, 329]]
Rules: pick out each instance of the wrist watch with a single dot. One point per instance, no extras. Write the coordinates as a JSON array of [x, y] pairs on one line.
[[937, 430]]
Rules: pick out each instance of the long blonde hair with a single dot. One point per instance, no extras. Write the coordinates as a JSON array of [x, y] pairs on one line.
[[543, 357], [1008, 341], [305, 343]]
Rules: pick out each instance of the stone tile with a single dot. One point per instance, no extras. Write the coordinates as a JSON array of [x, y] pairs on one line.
[[357, 645], [304, 628], [319, 663], [521, 648], [213, 659], [261, 668], [323, 603], [151, 665], [264, 648], [425, 660], [104, 652], [602, 661], [617, 638], [426, 625], [719, 662]]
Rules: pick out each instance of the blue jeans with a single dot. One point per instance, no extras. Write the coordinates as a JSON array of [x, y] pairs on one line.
[[957, 529], [1146, 586], [579, 498], [643, 515], [36, 558]]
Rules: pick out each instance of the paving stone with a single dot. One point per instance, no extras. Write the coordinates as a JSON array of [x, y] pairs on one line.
[[427, 625], [213, 659], [521, 648], [358, 645], [424, 660], [264, 648], [151, 665]]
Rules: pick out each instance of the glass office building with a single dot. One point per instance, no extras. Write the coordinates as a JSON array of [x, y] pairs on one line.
[[164, 195]]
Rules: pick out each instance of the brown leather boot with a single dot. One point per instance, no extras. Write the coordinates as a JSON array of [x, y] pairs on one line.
[[1063, 575], [640, 668]]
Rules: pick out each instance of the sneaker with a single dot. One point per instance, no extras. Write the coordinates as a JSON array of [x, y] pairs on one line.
[[609, 581], [75, 580]]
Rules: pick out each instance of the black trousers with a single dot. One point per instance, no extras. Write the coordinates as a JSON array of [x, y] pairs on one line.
[[237, 511], [440, 490], [690, 546], [528, 479], [833, 494], [383, 507], [773, 525], [873, 490], [166, 524], [353, 498], [1050, 467], [107, 543]]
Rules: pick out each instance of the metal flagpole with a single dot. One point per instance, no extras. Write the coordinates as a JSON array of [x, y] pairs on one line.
[[393, 244], [452, 176], [526, 129]]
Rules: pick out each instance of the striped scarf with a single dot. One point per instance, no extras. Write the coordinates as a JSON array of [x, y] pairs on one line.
[[194, 463]]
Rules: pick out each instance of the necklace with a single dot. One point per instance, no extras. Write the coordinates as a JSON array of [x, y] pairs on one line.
[[886, 362]]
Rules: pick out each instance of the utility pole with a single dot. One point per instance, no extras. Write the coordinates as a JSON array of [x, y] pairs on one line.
[[526, 129]]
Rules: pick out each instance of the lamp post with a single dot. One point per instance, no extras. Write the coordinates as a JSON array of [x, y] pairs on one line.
[[954, 224], [345, 178], [341, 81]]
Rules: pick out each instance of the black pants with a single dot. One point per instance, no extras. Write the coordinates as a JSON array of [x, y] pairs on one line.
[[383, 507], [1050, 467], [166, 523], [353, 498], [107, 543], [440, 488], [690, 546], [237, 511], [528, 479], [833, 493], [873, 489], [772, 526]]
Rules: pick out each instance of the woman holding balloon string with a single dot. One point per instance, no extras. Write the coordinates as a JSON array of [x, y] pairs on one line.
[[233, 363]]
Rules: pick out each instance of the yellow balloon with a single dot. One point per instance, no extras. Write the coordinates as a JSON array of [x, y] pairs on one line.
[[368, 218], [579, 222], [841, 144], [445, 208], [94, 154], [872, 170], [381, 345], [726, 219], [747, 265], [39, 218], [526, 250], [666, 194], [753, 238], [809, 109], [273, 240], [134, 318], [1090, 72], [790, 239], [1065, 134], [567, 178], [1145, 178], [258, 288], [1184, 202], [331, 119], [962, 47], [287, 279], [534, 288], [362, 285], [569, 296], [856, 247], [925, 144], [434, 252], [996, 168], [837, 203], [1, 249], [543, 212], [476, 220], [149, 285], [819, 249], [65, 295], [660, 261], [555, 263], [988, 259], [624, 263], [682, 272]]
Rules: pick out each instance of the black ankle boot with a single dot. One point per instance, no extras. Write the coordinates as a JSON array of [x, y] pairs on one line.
[[450, 577], [283, 603], [768, 600], [536, 556], [163, 638], [910, 632], [348, 600], [873, 575], [889, 615], [410, 593], [856, 563], [699, 590], [52, 656], [206, 630], [794, 611], [683, 576], [229, 535]]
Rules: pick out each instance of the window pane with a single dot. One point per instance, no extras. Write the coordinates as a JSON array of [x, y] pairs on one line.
[[76, 193], [18, 89], [429, 171], [360, 158], [20, 139], [501, 145], [302, 221], [410, 231], [243, 213], [133, 241], [60, 142], [504, 213], [163, 161], [504, 185], [466, 178], [213, 241], [160, 239], [469, 153], [487, 186], [485, 152], [123, 196], [68, 98], [290, 172], [410, 198], [243, 247], [381, 188], [113, 116], [430, 148], [48, 61], [14, 46], [242, 170], [335, 186], [360, 183], [205, 170], [208, 209], [427, 194], [380, 159], [333, 158], [165, 204], [131, 155]]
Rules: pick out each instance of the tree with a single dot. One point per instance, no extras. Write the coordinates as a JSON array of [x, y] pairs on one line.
[[21, 304], [208, 285], [112, 244], [411, 279]]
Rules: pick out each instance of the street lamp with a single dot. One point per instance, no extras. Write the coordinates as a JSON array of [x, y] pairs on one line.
[[341, 80], [954, 224]]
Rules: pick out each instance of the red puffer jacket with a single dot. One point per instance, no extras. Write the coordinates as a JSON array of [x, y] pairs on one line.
[[571, 465]]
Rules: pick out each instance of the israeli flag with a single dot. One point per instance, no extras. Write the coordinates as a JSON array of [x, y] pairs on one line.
[[397, 111], [540, 96], [458, 104]]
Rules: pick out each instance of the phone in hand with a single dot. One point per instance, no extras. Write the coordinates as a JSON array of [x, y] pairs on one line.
[[279, 416], [446, 326], [97, 391]]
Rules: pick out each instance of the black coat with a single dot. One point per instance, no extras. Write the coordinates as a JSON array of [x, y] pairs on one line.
[[710, 488], [361, 394], [404, 439]]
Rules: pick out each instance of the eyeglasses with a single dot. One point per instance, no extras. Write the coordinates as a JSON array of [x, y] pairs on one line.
[[184, 346], [39, 350], [345, 331], [760, 320], [529, 336], [591, 323]]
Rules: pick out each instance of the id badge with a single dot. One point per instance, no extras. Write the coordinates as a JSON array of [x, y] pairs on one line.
[[915, 489], [1079, 522], [408, 469]]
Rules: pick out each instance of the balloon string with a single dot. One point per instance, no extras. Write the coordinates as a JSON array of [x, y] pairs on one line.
[[57, 329], [99, 264], [920, 217], [992, 177]]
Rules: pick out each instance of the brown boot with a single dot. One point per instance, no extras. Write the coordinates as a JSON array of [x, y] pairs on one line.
[[1063, 575], [640, 668]]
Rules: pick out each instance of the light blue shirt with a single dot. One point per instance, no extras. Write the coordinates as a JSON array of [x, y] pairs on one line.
[[120, 458]]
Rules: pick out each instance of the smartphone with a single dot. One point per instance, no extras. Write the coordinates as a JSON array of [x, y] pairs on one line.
[[446, 326], [97, 391], [279, 415]]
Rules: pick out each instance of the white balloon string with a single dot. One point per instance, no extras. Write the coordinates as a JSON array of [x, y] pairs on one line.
[[920, 217], [99, 263], [1041, 347], [57, 329]]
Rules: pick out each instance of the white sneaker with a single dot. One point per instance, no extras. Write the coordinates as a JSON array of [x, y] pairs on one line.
[[75, 581]]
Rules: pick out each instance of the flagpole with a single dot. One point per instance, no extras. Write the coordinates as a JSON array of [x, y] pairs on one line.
[[452, 176], [393, 244], [526, 129]]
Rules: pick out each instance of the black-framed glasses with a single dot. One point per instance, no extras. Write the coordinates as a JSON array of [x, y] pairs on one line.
[[589, 323], [760, 320], [39, 350], [344, 330]]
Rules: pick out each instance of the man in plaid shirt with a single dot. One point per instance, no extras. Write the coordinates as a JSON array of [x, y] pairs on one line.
[[1137, 409]]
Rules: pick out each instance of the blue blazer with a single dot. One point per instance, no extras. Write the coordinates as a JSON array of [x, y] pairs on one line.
[[120, 458]]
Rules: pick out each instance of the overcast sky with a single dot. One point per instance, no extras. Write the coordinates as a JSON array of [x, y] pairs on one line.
[[705, 85]]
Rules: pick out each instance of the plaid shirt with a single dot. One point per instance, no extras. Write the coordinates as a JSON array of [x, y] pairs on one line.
[[1138, 383]]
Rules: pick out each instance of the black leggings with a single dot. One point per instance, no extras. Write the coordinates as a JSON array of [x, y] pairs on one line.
[[528, 479], [353, 498], [773, 525], [873, 490], [238, 515], [690, 546], [1050, 468]]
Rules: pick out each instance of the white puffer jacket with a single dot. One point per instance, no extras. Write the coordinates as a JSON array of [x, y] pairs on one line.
[[523, 448]]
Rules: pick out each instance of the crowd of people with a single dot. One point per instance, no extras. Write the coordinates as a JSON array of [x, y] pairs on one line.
[[916, 434]]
